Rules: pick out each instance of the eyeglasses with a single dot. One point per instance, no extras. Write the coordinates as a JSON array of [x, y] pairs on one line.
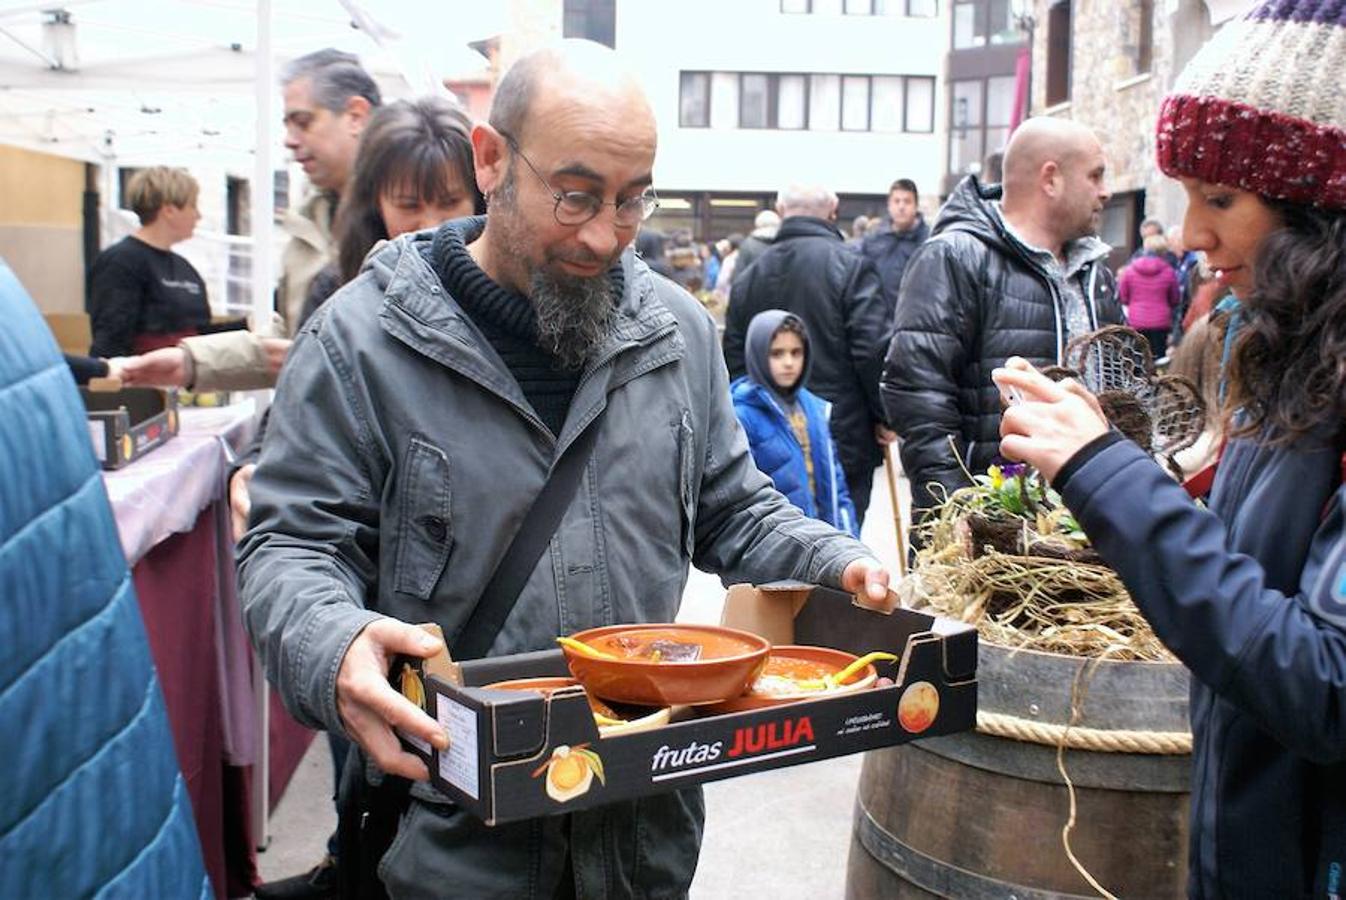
[[578, 207]]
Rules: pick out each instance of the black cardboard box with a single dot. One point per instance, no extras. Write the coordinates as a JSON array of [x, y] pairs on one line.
[[126, 424], [503, 744]]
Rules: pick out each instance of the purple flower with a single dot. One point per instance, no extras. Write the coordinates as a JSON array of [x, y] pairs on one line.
[[1013, 470]]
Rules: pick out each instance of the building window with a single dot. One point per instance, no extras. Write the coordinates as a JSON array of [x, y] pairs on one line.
[[826, 7], [724, 100], [885, 106], [792, 99], [594, 20], [920, 104], [977, 23], [979, 121], [694, 100], [1058, 53], [1144, 31], [921, 9], [816, 102], [859, 7], [795, 6], [966, 138], [999, 113], [855, 103], [969, 24], [752, 101], [824, 102], [1000, 24]]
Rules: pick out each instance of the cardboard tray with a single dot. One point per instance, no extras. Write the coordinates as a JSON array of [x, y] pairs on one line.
[[504, 745], [126, 424]]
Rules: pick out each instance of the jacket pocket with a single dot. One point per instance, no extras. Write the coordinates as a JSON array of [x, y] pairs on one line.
[[687, 482], [424, 526]]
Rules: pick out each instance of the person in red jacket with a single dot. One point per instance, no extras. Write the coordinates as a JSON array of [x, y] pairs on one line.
[[1148, 290]]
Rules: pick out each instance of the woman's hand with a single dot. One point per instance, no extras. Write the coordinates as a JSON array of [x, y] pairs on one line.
[[1047, 422]]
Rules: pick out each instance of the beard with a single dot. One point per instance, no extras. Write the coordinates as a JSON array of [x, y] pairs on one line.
[[574, 313]]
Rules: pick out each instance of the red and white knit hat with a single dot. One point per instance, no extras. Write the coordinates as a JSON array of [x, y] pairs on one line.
[[1262, 107]]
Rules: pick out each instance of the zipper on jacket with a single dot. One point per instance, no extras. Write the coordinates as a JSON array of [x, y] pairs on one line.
[[832, 472], [1093, 300]]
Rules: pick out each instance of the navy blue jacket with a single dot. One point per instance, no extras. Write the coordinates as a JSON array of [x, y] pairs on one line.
[[780, 456], [1251, 596], [91, 799], [891, 251]]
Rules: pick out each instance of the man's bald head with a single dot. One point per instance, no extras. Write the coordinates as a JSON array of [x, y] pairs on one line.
[[566, 71], [1040, 141], [1054, 175]]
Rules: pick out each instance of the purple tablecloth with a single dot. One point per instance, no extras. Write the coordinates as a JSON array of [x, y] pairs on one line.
[[172, 517]]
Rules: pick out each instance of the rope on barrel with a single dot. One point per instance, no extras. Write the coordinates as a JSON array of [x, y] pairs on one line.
[[1099, 740]]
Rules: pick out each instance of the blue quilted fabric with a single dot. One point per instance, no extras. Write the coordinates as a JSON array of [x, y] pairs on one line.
[[92, 803]]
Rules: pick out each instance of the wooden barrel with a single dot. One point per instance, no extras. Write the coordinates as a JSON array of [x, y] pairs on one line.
[[978, 816]]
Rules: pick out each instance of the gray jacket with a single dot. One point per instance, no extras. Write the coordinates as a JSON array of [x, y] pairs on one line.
[[402, 456]]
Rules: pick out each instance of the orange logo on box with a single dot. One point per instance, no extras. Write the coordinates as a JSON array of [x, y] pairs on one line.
[[570, 772], [919, 706], [128, 446]]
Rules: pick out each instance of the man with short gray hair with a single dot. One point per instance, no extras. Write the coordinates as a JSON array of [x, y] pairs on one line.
[[809, 271], [328, 99]]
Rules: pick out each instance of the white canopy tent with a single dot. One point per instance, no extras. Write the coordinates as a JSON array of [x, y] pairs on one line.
[[193, 82]]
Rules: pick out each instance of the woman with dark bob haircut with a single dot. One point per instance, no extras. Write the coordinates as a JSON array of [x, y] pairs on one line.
[[413, 171], [1251, 593]]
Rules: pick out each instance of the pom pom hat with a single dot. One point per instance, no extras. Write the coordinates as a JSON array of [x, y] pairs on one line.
[[1262, 107]]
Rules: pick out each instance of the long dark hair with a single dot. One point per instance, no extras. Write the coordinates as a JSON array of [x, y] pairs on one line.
[[416, 143], [1288, 366]]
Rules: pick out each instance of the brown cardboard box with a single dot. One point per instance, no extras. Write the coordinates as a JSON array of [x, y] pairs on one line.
[[503, 743], [73, 332]]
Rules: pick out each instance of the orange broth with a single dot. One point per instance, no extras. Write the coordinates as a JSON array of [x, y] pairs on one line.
[[634, 645], [797, 669]]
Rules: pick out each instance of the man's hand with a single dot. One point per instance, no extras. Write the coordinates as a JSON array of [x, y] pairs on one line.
[[275, 350], [1046, 422], [240, 501], [884, 435], [166, 367], [867, 579], [369, 706]]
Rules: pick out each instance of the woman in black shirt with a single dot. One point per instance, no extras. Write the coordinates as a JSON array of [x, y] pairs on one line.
[[143, 295]]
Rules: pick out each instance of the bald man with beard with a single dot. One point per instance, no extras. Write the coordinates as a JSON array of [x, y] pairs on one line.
[[1010, 270], [420, 414]]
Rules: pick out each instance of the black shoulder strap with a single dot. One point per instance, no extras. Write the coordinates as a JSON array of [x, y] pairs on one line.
[[511, 573]]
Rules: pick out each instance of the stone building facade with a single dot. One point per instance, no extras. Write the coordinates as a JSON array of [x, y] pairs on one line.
[[1108, 64]]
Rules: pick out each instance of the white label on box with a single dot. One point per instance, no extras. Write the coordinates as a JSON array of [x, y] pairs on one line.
[[458, 764], [97, 427]]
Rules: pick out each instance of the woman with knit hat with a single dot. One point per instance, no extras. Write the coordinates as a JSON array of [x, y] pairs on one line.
[[1250, 594]]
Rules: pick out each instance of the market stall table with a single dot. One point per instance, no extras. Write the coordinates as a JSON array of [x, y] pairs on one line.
[[172, 517]]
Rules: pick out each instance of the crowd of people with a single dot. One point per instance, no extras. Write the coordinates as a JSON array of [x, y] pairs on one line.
[[500, 273]]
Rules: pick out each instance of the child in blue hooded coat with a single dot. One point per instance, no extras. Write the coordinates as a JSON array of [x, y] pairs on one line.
[[786, 424]]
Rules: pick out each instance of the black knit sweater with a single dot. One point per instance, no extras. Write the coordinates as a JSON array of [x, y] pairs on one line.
[[508, 320]]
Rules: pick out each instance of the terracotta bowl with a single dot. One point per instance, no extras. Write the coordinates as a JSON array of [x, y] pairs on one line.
[[633, 718], [832, 661], [729, 662]]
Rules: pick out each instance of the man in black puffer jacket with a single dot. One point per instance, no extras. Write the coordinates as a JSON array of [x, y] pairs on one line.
[[995, 280], [809, 271]]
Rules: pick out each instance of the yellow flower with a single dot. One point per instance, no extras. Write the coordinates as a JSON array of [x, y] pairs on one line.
[[997, 479]]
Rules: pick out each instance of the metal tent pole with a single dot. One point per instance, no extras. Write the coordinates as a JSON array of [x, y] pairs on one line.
[[263, 303]]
